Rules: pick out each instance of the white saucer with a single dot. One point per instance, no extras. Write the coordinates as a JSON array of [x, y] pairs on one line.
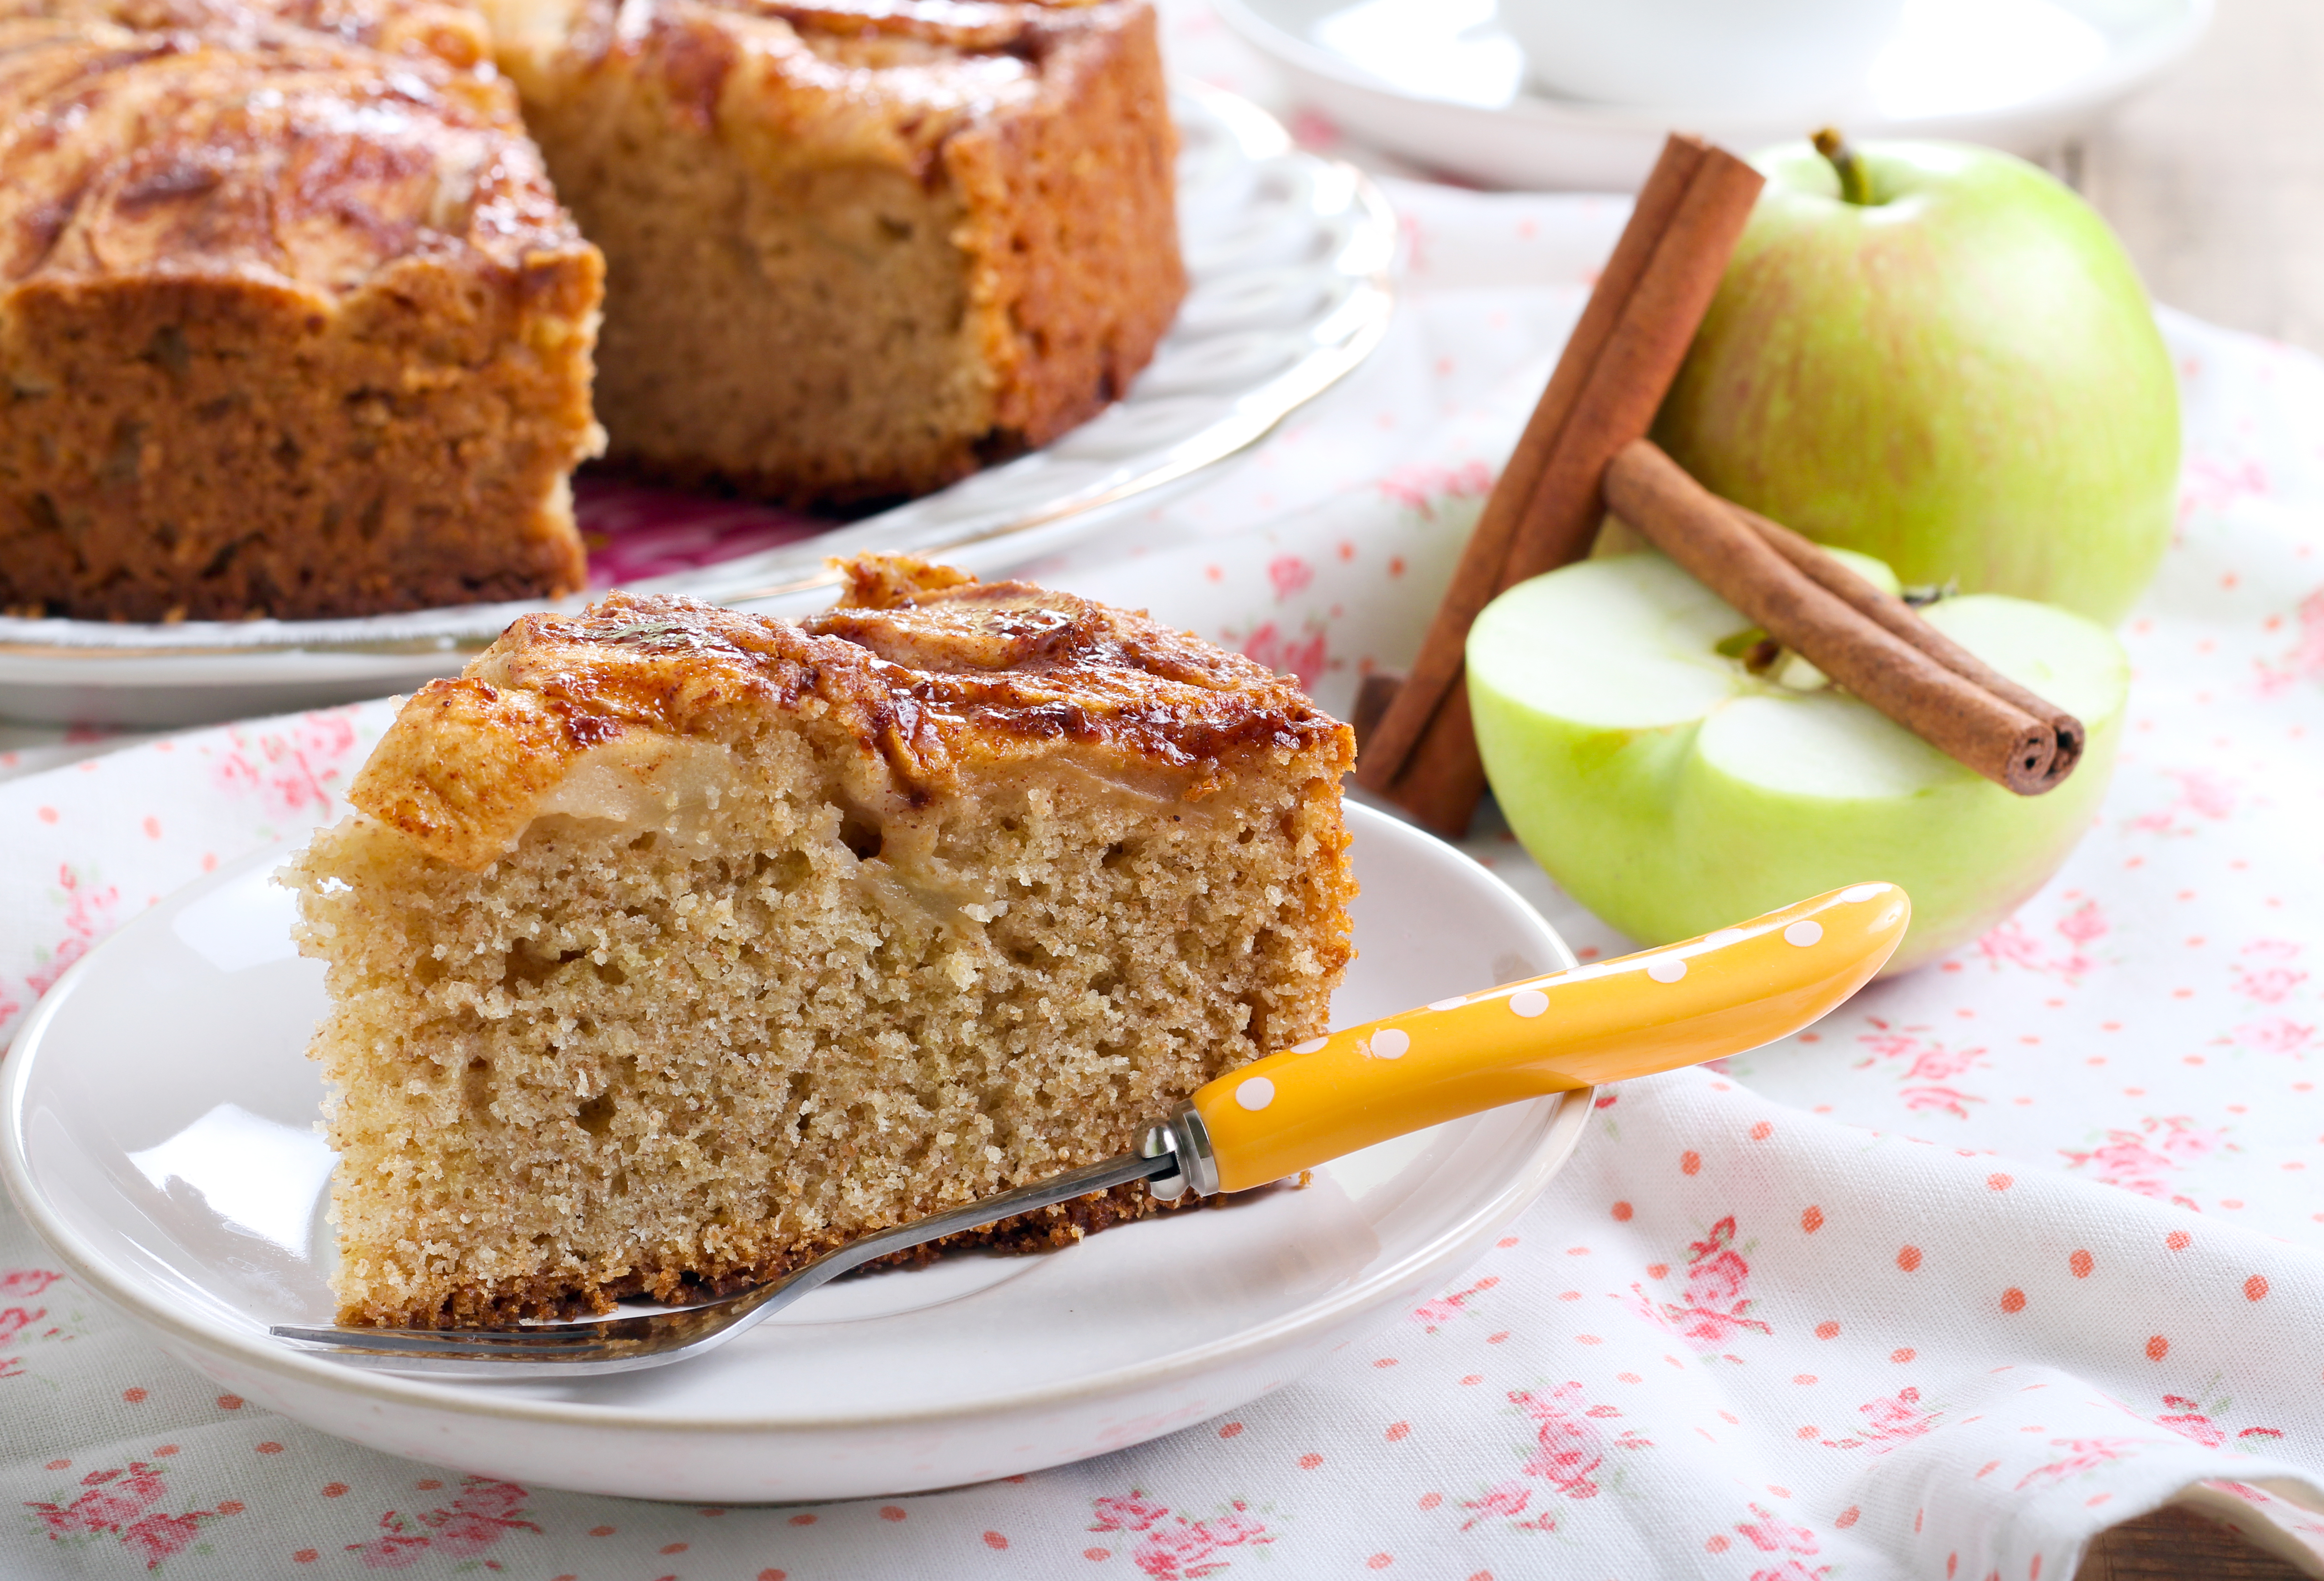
[[1436, 81], [156, 1129], [1288, 256]]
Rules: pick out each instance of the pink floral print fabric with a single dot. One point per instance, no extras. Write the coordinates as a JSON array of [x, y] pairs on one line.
[[2004, 1251]]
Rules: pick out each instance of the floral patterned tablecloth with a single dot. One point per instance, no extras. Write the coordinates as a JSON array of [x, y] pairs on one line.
[[2022, 1244]]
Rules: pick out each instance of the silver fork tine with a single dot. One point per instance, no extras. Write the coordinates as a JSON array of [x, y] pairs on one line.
[[623, 1345]]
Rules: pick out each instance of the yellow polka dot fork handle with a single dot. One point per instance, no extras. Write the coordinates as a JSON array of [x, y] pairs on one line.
[[1658, 1010]]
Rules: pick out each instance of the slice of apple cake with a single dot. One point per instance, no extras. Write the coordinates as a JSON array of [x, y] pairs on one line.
[[669, 947]]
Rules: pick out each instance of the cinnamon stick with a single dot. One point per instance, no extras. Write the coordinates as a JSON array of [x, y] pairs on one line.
[[2010, 744], [1885, 609], [1617, 365], [1478, 577]]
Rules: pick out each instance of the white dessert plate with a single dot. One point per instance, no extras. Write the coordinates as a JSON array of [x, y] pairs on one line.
[[156, 1127], [1288, 256], [1438, 82]]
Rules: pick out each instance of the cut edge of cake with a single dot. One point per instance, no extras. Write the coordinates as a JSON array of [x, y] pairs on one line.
[[943, 234]]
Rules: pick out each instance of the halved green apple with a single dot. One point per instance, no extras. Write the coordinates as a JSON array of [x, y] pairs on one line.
[[1672, 790]]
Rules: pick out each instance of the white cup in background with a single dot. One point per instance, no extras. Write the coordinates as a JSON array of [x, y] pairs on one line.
[[1702, 55]]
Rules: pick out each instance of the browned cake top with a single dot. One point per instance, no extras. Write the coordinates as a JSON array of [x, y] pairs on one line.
[[451, 31], [924, 671], [887, 81], [254, 148]]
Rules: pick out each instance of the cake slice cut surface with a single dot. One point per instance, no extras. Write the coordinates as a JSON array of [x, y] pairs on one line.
[[856, 248], [669, 947]]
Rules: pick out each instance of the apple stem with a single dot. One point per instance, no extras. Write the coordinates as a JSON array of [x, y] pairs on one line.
[[1855, 181]]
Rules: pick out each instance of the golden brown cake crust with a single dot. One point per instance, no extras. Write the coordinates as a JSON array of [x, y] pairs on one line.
[[1074, 228], [287, 325], [923, 671], [447, 31]]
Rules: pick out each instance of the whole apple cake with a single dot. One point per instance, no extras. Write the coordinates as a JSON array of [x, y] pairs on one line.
[[856, 249], [289, 324], [669, 947]]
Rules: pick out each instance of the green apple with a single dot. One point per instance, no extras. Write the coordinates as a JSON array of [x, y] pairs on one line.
[[1960, 375], [1672, 792]]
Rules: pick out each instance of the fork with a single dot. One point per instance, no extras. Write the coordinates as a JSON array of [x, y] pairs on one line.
[[1658, 1010]]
